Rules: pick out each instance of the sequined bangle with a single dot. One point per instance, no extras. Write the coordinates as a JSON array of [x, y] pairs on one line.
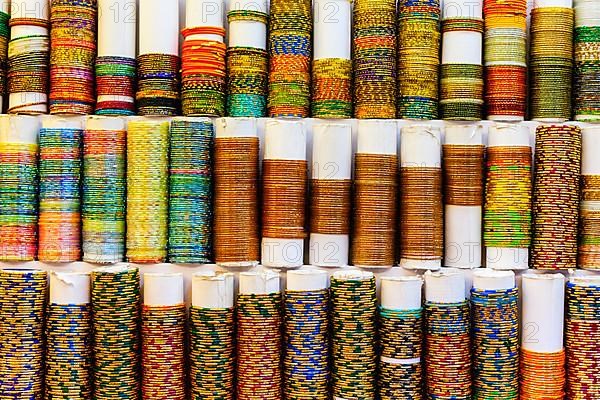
[[203, 84], [290, 49], [419, 41], [374, 57], [247, 81], [586, 82], [190, 191], [115, 85], [73, 49], [551, 63], [158, 84], [332, 88]]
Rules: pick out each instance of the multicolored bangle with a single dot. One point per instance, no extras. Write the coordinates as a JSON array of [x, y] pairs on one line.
[[586, 83], [332, 88], [115, 85], [4, 37], [158, 84]]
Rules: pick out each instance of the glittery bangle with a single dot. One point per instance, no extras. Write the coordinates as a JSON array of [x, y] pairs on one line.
[[332, 85], [115, 78], [158, 84], [247, 80], [586, 82]]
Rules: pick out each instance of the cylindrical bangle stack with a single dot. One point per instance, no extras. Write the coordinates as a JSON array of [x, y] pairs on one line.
[[259, 323], [68, 337], [28, 57], [582, 337], [463, 165], [4, 38], [556, 197], [19, 188], [212, 337], [353, 319], [374, 194], [507, 213], [72, 54], [332, 64], [589, 209], [495, 313], [163, 337], [147, 194], [461, 81], [401, 339], [551, 61], [247, 61], [203, 84], [236, 172], [586, 83], [290, 49], [306, 339], [542, 369], [374, 58], [60, 197], [330, 194], [103, 207], [447, 336], [505, 59], [158, 58], [116, 341], [190, 190], [421, 209], [115, 63], [23, 296], [284, 179], [418, 58]]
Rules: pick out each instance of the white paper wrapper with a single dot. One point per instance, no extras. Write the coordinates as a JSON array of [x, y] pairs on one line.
[[329, 250], [248, 34], [117, 25], [489, 279], [63, 122], [307, 279], [420, 146], [331, 151], [552, 3], [282, 253], [332, 29], [462, 8], [101, 123], [259, 282], [285, 140], [212, 290], [69, 288], [19, 129], [401, 292], [500, 134], [377, 136], [235, 127], [209, 13], [352, 275], [543, 297], [254, 5], [590, 145], [462, 237], [163, 289], [445, 286], [158, 27], [462, 47]]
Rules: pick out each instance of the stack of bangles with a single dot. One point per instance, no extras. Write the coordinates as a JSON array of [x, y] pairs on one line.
[[247, 72], [115, 85], [28, 65], [332, 85], [586, 82], [4, 35], [203, 73], [73, 49], [158, 84]]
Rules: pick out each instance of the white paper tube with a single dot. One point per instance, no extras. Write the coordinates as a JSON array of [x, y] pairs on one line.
[[420, 146], [462, 8], [462, 47], [445, 286], [163, 289], [332, 29], [489, 279], [542, 312], [253, 5], [462, 236], [30, 102], [401, 292], [464, 134], [259, 282], [329, 250], [352, 275], [502, 135], [282, 253], [585, 279], [27, 8], [117, 23], [285, 140], [587, 13], [507, 258], [248, 34], [235, 127], [331, 151], [19, 129], [53, 121], [590, 161], [158, 27], [212, 290], [209, 13], [101, 123], [68, 288], [308, 279], [552, 3], [377, 136]]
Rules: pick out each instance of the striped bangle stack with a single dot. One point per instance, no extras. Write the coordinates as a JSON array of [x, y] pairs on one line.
[[418, 58], [4, 37], [505, 59], [374, 59], [247, 65], [290, 49], [115, 85], [589, 208], [586, 84]]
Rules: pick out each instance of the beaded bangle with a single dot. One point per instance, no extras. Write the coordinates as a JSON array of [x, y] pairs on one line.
[[73, 49], [203, 73], [586, 83], [332, 85], [418, 58], [158, 84], [115, 85], [374, 59], [290, 49]]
